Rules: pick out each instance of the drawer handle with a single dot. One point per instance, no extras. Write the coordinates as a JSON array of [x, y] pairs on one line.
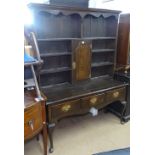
[[93, 100], [66, 108], [30, 123], [116, 94], [83, 42]]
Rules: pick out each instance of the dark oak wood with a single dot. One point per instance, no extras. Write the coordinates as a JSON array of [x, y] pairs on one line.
[[117, 94], [81, 104], [66, 39], [77, 9], [93, 101], [68, 91], [55, 54], [73, 3], [54, 70], [123, 40], [101, 64], [64, 109], [34, 118], [78, 47], [102, 50]]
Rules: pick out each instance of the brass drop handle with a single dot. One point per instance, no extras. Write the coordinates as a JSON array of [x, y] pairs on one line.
[[66, 108], [31, 124], [116, 94], [93, 100]]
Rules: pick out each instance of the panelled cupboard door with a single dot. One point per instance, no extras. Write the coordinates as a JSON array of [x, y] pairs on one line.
[[81, 60]]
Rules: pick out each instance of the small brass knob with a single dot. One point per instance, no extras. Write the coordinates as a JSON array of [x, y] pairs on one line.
[[66, 108], [74, 65], [93, 100], [83, 42], [116, 94]]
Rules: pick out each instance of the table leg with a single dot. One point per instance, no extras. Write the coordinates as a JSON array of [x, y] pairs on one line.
[[50, 132], [45, 138]]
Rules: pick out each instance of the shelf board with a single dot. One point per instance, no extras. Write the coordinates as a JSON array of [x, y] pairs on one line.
[[102, 76], [96, 38], [102, 50], [54, 70], [54, 54], [60, 39], [97, 64], [56, 39]]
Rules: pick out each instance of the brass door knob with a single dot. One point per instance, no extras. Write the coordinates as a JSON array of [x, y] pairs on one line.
[[66, 108], [116, 94], [74, 65], [83, 42], [93, 100]]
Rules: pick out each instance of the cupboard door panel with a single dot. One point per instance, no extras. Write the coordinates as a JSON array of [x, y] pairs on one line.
[[81, 64]]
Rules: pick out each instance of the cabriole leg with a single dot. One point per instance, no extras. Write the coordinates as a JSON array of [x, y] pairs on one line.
[[50, 132]]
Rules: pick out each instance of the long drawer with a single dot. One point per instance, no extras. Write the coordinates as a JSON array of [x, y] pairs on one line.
[[63, 109], [116, 95], [93, 101]]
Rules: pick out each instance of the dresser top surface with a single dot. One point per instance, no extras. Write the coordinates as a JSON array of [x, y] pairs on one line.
[[67, 91]]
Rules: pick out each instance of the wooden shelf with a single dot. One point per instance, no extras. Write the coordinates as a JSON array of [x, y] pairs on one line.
[[88, 38], [97, 64], [54, 70], [56, 39], [102, 50], [102, 76], [96, 38], [54, 54]]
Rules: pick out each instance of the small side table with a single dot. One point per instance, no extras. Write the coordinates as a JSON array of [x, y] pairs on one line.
[[117, 108], [34, 117]]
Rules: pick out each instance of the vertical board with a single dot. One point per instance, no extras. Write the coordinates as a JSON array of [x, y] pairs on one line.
[[123, 40], [81, 64]]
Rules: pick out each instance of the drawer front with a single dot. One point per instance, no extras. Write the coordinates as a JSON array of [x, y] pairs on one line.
[[116, 95], [96, 101], [64, 109], [32, 121]]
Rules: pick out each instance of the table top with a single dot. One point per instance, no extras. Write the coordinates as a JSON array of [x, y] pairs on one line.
[[29, 98], [69, 91]]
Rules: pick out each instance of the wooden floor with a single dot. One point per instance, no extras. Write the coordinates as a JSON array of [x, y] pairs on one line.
[[85, 135]]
